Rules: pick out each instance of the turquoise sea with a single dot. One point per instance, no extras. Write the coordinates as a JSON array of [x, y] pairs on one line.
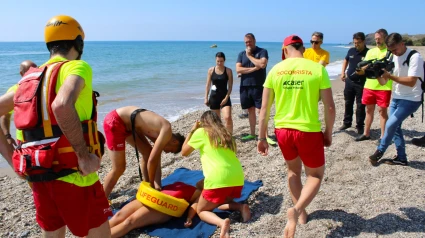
[[167, 77]]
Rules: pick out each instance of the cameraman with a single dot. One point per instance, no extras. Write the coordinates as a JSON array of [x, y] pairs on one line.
[[373, 92], [354, 84], [406, 97]]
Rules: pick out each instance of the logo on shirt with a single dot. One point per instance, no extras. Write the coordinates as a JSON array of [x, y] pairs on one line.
[[293, 84], [351, 56], [294, 72]]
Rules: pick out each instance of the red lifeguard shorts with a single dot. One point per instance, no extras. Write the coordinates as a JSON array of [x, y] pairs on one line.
[[308, 146], [115, 131], [59, 204], [381, 98], [220, 195], [179, 190]]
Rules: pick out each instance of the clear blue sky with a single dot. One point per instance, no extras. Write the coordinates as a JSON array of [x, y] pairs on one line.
[[213, 20]]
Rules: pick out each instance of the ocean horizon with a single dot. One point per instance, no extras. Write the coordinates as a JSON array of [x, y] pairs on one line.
[[167, 77]]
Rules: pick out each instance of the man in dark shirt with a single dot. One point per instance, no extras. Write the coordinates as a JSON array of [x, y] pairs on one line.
[[354, 83], [251, 64]]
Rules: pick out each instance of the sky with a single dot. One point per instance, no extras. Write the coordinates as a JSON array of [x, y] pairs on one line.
[[197, 20]]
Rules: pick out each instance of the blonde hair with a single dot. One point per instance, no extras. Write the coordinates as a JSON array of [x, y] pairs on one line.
[[217, 133]]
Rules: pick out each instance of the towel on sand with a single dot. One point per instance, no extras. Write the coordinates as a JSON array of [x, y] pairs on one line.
[[199, 229]]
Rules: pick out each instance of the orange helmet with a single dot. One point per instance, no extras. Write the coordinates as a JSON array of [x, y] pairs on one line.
[[62, 28]]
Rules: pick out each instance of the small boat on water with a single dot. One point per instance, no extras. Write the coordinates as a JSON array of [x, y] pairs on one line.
[[213, 46]]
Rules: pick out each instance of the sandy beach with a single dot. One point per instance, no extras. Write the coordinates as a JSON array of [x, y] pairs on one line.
[[355, 200]]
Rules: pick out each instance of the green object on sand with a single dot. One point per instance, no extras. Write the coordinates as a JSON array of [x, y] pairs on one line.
[[270, 141], [248, 137]]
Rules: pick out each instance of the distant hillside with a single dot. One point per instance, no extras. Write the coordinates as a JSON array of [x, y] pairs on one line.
[[416, 40]]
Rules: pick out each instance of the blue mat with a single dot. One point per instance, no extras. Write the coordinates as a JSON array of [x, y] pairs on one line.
[[199, 229]]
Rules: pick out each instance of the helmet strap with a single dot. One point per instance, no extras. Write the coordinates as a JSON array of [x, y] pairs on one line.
[[79, 46]]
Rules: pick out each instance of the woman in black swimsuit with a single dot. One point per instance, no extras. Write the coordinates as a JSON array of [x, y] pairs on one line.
[[220, 82]]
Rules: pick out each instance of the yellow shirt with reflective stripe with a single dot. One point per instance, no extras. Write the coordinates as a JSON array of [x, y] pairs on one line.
[[83, 105], [296, 83], [373, 84], [317, 55]]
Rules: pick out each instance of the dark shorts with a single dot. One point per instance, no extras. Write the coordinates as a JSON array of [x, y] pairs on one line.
[[251, 96], [216, 99]]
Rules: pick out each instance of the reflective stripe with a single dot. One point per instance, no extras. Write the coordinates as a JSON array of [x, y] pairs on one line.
[[39, 142], [47, 124], [21, 164], [36, 74], [37, 162], [91, 142]]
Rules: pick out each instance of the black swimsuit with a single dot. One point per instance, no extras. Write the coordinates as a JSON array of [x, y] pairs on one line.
[[133, 131], [217, 95]]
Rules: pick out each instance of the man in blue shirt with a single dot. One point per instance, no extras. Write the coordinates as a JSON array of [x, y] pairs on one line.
[[251, 64]]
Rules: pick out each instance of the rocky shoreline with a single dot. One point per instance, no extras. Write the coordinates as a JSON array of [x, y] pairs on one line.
[[355, 199]]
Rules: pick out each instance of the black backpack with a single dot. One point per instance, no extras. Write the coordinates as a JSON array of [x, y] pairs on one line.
[[407, 61]]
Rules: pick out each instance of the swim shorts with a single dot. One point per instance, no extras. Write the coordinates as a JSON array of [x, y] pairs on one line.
[[179, 190], [308, 146], [115, 131], [220, 195], [381, 98], [59, 204], [251, 96]]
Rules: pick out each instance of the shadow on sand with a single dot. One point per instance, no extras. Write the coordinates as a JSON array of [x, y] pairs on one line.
[[383, 224]]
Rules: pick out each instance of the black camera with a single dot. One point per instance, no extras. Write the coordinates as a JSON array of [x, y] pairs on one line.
[[374, 67]]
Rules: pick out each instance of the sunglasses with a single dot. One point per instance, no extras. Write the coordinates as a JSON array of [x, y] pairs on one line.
[[315, 42]]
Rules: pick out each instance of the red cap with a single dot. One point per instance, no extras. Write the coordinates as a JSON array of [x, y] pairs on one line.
[[292, 39]]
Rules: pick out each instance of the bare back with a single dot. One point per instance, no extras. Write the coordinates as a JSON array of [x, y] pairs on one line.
[[148, 123]]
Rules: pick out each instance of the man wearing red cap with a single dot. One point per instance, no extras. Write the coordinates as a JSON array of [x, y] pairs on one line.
[[298, 84]]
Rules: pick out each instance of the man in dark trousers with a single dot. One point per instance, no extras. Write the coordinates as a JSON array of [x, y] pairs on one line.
[[354, 83]]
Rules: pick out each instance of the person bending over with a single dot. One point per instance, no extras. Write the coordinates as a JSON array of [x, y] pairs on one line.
[[118, 129]]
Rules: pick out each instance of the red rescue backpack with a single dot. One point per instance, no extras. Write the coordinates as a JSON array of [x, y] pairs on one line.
[[45, 153]]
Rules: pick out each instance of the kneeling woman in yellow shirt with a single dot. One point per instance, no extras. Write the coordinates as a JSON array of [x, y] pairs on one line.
[[224, 177]]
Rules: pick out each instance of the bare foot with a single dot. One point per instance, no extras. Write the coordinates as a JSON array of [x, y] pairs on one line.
[[302, 219], [246, 213], [188, 223], [225, 229], [291, 224]]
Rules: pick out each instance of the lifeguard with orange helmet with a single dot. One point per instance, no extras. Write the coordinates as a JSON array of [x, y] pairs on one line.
[[55, 107]]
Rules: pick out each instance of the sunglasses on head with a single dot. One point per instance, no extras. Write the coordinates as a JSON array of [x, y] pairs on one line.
[[315, 42]]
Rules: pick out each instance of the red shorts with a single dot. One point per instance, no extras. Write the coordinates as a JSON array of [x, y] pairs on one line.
[[59, 204], [179, 190], [381, 98], [220, 195], [115, 131], [307, 145]]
